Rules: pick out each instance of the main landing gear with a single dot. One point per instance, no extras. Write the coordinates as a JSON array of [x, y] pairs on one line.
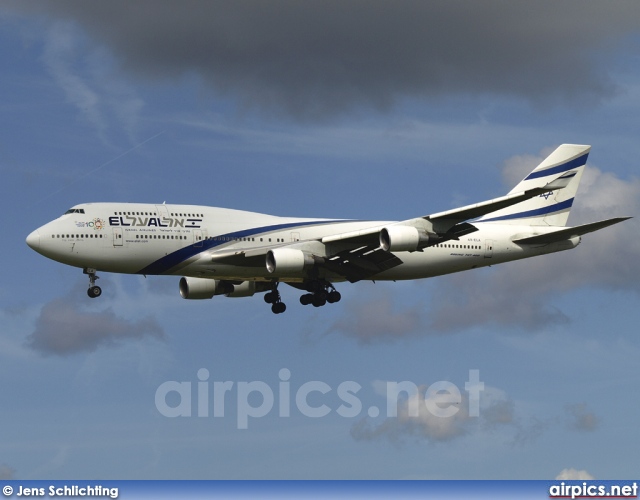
[[94, 290], [320, 292], [273, 298]]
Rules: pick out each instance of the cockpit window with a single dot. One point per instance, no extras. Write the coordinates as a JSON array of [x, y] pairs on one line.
[[74, 211]]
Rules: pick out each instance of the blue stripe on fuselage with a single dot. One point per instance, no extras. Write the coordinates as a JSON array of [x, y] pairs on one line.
[[167, 262]]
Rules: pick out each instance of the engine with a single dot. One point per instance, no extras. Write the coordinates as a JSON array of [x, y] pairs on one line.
[[203, 288], [285, 261], [403, 239], [244, 289]]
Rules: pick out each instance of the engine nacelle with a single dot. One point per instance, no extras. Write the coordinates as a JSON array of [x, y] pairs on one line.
[[403, 239], [244, 289], [203, 288], [285, 261]]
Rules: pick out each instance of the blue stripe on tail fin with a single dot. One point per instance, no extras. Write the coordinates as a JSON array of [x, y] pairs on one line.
[[552, 208]]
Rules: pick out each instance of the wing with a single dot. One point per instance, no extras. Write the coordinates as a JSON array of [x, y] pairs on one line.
[[360, 254], [361, 263], [452, 224], [446, 220]]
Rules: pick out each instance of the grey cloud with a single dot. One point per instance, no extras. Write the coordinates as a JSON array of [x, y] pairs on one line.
[[374, 316], [64, 328], [576, 417], [503, 297], [322, 58], [517, 167], [529, 431], [580, 419], [501, 412], [88, 82], [60, 57], [7, 472]]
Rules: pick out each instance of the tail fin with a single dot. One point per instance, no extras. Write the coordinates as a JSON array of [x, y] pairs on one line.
[[552, 208]]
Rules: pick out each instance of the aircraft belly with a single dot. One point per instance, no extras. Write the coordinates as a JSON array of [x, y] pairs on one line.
[[432, 262], [222, 271]]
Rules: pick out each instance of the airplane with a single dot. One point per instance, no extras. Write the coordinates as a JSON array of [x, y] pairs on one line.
[[220, 251]]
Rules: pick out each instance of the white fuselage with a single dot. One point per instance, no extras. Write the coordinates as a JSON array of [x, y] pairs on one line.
[[149, 239]]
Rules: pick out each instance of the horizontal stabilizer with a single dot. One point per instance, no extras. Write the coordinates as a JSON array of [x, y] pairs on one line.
[[568, 233]]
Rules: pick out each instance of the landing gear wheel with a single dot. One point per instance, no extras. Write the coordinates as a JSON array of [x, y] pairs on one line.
[[306, 299], [278, 308], [273, 298], [93, 291], [318, 301], [321, 292]]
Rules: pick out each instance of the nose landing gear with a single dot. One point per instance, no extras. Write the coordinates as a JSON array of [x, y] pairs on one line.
[[94, 290]]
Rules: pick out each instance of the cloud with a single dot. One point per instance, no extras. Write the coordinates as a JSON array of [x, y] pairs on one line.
[[529, 430], [64, 328], [442, 412], [414, 418], [573, 474], [580, 419], [318, 59], [60, 56], [89, 82], [517, 167], [373, 316], [576, 417], [436, 414], [7, 472], [501, 412]]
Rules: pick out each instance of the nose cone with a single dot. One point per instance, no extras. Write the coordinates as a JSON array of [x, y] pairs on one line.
[[33, 240]]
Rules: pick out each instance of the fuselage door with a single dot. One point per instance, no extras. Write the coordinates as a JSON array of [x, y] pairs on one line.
[[163, 211], [197, 237], [117, 237], [488, 249]]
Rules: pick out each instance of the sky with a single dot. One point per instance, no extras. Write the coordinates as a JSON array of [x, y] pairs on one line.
[[364, 110]]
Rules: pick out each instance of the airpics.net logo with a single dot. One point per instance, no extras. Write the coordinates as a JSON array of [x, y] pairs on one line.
[[313, 399]]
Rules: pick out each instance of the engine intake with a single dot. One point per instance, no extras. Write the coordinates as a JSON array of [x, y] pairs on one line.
[[403, 239], [284, 261], [203, 288]]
